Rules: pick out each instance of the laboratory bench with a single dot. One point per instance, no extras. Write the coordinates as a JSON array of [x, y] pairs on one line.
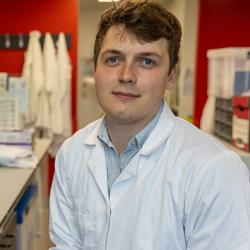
[[14, 182]]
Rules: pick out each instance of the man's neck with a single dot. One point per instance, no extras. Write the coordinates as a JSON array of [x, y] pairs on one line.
[[121, 133]]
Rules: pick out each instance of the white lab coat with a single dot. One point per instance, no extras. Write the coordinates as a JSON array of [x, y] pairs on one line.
[[183, 190], [51, 85], [208, 115], [33, 72], [64, 77]]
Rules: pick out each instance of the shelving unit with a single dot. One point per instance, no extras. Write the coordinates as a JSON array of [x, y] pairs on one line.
[[223, 119]]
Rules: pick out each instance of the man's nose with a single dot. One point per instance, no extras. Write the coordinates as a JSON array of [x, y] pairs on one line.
[[127, 73]]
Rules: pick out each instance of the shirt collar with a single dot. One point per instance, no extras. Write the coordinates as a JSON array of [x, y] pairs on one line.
[[142, 135], [103, 134]]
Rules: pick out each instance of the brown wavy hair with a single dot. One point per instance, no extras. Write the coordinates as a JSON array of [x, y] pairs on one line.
[[148, 20]]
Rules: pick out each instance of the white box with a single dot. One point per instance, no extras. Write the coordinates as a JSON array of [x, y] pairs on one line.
[[17, 88], [228, 71], [19, 138], [3, 82], [8, 114]]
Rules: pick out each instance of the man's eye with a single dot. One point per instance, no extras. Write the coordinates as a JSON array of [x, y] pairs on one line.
[[112, 60], [147, 62]]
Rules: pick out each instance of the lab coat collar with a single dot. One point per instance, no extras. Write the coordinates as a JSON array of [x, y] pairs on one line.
[[97, 165], [159, 134], [92, 138]]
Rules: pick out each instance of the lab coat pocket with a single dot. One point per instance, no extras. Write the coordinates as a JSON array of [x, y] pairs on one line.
[[87, 232]]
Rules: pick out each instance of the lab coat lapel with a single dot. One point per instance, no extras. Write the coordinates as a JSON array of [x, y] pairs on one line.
[[97, 161], [97, 166]]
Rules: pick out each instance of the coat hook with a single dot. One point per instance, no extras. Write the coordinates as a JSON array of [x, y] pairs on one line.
[[20, 41], [7, 41], [56, 41]]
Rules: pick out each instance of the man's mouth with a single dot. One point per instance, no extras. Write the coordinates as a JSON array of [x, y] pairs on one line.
[[125, 95]]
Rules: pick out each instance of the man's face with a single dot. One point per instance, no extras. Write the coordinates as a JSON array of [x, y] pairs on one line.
[[131, 77]]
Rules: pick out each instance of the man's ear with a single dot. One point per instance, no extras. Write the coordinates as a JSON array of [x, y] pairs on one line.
[[171, 78]]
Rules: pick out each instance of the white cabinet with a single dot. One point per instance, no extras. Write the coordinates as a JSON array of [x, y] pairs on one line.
[[41, 207], [13, 184]]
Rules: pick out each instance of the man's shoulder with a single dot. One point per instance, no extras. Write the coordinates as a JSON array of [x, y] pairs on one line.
[[87, 130], [204, 155], [78, 139], [202, 144]]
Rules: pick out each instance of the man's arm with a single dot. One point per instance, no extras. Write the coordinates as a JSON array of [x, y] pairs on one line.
[[217, 208], [63, 230]]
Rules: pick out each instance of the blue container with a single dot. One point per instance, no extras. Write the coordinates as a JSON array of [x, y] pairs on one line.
[[241, 82], [23, 204]]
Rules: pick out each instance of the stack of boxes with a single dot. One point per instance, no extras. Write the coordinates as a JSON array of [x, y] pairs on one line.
[[14, 112], [13, 102], [19, 138]]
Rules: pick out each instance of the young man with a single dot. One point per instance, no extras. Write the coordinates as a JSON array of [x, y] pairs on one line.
[[141, 178]]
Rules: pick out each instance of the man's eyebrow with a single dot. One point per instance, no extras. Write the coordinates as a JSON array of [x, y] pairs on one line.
[[117, 52], [149, 54], [111, 51]]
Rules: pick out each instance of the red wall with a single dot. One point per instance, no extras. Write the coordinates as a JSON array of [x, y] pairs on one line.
[[52, 16], [46, 16], [222, 23]]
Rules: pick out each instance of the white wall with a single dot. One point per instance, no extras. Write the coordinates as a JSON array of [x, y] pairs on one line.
[[187, 13], [88, 22], [88, 108]]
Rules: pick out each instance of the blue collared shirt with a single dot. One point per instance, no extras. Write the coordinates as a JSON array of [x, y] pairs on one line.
[[115, 162]]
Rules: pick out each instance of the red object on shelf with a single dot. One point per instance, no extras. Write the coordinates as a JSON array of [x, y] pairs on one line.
[[241, 122], [241, 106]]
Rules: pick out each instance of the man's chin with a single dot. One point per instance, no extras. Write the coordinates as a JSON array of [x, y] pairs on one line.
[[120, 117]]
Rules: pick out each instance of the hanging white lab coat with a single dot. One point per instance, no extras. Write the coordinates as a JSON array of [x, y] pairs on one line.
[[33, 72], [54, 116], [183, 190], [64, 80], [208, 115]]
